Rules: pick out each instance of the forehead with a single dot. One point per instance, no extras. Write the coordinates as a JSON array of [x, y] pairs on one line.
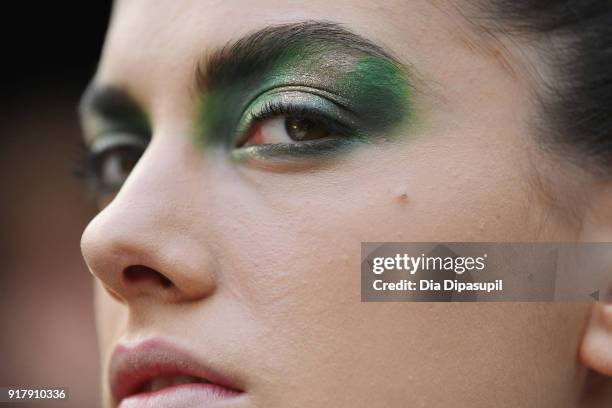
[[165, 39]]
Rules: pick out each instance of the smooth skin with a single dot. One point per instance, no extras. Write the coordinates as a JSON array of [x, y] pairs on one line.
[[264, 263]]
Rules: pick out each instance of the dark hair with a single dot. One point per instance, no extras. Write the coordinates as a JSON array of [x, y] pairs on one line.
[[574, 37]]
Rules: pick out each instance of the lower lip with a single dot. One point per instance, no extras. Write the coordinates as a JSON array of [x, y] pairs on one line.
[[181, 396]]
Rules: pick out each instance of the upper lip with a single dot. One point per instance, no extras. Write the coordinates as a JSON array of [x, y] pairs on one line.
[[131, 367]]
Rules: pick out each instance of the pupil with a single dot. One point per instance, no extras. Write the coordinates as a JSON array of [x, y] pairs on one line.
[[304, 129]]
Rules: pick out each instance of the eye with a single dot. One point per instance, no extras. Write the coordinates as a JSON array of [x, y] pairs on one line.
[[110, 161], [289, 127], [112, 166], [287, 130]]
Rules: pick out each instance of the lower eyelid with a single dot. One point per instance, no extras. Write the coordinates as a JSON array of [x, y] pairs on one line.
[[291, 153]]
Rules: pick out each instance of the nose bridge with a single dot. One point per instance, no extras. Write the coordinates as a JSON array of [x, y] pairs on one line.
[[151, 226]]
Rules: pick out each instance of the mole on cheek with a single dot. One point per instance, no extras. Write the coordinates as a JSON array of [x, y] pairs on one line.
[[401, 195]]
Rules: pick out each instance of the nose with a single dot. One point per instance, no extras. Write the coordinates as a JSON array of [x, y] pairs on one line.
[[151, 240]]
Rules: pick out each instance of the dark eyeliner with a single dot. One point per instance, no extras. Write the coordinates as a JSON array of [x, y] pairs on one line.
[[274, 109]]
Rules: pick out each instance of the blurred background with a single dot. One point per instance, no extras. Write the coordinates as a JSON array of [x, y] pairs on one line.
[[47, 337]]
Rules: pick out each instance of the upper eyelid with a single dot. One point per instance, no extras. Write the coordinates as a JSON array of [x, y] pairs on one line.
[[335, 99], [114, 139], [102, 137], [345, 116], [308, 89]]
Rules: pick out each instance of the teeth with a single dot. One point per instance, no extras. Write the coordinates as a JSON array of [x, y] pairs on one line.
[[184, 379], [159, 383]]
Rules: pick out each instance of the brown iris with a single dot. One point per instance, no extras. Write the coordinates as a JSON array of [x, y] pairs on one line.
[[300, 129]]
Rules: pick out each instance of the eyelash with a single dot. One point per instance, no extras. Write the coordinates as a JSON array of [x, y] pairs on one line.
[[273, 109]]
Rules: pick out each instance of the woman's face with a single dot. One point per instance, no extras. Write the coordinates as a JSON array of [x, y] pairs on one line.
[[248, 257]]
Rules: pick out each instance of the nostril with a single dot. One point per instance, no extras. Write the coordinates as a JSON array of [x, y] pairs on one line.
[[140, 273]]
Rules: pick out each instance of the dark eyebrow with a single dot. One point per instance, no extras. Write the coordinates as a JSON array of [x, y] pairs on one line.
[[253, 55], [112, 105]]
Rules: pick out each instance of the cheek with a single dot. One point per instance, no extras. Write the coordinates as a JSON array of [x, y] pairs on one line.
[[416, 191], [289, 244]]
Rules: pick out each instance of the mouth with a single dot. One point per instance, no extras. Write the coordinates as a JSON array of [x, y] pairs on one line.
[[155, 373], [160, 383]]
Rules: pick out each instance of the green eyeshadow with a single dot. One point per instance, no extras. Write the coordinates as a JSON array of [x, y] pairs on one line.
[[379, 93], [369, 94]]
